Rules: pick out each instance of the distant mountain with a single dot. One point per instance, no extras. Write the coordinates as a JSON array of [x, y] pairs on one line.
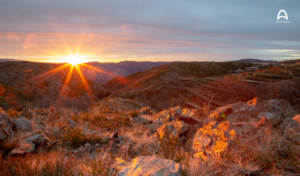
[[156, 75], [254, 60], [6, 60], [109, 70]]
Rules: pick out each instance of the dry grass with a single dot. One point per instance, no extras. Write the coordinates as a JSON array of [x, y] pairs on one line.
[[55, 163], [76, 137]]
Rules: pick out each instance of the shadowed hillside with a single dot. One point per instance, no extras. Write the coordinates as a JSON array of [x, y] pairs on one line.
[[144, 79]]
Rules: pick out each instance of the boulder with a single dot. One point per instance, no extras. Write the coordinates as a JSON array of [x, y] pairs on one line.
[[5, 125], [228, 112], [22, 124], [149, 165], [217, 137], [38, 139], [246, 111], [174, 127], [267, 115], [279, 108], [168, 115], [290, 124], [24, 148], [28, 145]]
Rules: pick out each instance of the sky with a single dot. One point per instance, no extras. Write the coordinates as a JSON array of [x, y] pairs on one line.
[[149, 30]]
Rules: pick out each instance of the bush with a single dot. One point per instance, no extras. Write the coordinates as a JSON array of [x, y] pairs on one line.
[[77, 138]]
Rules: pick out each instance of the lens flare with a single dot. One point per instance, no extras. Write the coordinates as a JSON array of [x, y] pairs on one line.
[[75, 60]]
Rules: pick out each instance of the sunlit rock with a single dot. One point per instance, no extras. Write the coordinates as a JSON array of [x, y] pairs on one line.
[[148, 166], [175, 128]]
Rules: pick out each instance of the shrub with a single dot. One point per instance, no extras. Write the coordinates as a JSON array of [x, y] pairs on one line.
[[96, 168], [76, 137]]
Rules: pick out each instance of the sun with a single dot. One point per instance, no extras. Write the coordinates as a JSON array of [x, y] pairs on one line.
[[75, 60]]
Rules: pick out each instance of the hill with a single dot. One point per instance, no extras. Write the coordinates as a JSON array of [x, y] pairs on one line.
[[144, 79], [254, 60], [44, 84], [109, 70]]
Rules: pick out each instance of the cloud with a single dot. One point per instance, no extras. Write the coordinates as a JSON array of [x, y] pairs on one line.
[[12, 36], [158, 29]]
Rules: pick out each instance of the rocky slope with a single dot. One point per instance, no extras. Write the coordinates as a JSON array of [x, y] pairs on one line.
[[245, 138]]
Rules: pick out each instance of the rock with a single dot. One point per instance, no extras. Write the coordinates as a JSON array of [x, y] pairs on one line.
[[28, 145], [5, 125], [187, 119], [168, 115], [22, 124], [174, 127], [267, 115], [146, 111], [290, 124], [24, 148], [97, 146], [88, 147], [178, 110], [279, 107], [149, 132], [216, 137], [148, 165], [246, 110], [224, 113], [38, 139], [87, 144], [189, 112]]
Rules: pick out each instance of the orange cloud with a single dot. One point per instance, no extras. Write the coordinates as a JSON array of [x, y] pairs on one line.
[[29, 41], [13, 36]]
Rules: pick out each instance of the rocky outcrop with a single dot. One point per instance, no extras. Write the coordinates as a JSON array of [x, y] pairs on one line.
[[253, 109], [5, 125], [148, 165], [146, 111], [29, 145], [217, 137], [22, 124], [174, 128]]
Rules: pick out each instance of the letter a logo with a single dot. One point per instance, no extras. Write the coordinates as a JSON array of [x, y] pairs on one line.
[[285, 15]]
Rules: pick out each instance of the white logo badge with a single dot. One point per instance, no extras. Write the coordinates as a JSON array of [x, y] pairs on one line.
[[285, 16]]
